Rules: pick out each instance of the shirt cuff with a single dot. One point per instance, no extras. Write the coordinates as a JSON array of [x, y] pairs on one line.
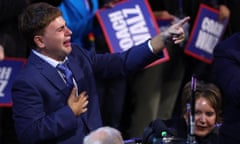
[[150, 46]]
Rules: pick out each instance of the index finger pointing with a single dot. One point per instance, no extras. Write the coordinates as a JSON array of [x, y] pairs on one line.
[[183, 21]]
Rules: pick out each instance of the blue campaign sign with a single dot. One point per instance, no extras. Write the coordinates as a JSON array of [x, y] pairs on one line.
[[9, 68], [129, 23], [206, 33]]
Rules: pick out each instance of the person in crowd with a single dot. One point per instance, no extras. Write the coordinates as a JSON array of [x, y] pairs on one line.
[[9, 11], [234, 21], [80, 17], [104, 135], [59, 103], [226, 69], [11, 45], [208, 117], [7, 133]]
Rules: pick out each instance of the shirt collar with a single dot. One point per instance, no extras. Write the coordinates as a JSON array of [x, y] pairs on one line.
[[49, 60]]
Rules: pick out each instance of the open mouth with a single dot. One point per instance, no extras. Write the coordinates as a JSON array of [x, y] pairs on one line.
[[67, 43]]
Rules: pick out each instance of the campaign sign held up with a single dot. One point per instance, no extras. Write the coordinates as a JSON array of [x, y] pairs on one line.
[[206, 33], [128, 24], [9, 68]]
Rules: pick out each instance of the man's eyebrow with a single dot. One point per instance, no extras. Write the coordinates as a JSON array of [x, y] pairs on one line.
[[61, 27]]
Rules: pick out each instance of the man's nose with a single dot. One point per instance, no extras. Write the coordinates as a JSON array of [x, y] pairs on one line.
[[68, 31]]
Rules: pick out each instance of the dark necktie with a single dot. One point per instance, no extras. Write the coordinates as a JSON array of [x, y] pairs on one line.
[[67, 74]]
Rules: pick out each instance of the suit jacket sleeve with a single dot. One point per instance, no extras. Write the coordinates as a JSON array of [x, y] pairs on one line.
[[121, 64]]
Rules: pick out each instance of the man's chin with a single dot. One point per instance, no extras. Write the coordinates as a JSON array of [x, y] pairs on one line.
[[68, 48]]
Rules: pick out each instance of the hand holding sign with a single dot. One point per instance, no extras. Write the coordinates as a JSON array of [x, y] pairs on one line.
[[224, 12], [206, 32], [175, 33]]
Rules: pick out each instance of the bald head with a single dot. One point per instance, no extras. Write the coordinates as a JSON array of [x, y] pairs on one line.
[[104, 135]]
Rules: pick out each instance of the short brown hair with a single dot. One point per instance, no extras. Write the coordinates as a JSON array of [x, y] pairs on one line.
[[35, 19]]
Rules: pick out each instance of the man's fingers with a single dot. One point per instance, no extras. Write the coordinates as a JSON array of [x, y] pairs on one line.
[[84, 109], [83, 98], [83, 93], [85, 104]]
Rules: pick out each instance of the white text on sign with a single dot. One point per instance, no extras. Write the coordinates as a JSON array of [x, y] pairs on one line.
[[209, 35], [130, 27], [5, 73]]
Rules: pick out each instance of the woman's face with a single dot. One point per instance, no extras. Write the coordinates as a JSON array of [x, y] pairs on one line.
[[205, 117]]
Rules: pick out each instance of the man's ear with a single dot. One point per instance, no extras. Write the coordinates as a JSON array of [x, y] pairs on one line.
[[38, 41]]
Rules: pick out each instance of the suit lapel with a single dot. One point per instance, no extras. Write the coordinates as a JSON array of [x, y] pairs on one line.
[[78, 73], [53, 77], [50, 73]]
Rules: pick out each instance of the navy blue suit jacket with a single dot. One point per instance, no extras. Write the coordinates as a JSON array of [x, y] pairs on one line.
[[40, 109], [227, 72]]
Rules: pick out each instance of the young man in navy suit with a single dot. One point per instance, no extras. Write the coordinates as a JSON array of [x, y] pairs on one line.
[[45, 108]]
